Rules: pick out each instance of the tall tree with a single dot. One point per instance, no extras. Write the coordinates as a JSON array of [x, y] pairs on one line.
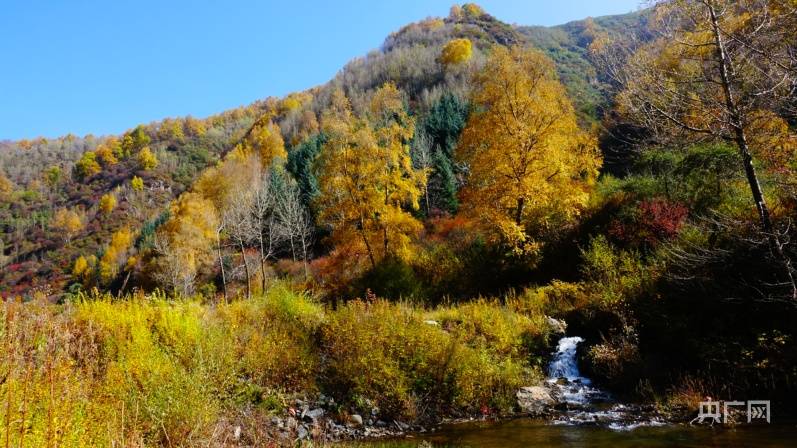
[[436, 138], [185, 242], [719, 71], [367, 181], [293, 218], [530, 166]]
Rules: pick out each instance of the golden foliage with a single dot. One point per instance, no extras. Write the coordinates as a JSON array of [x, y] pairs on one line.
[[472, 10], [185, 241], [367, 180], [146, 159], [107, 203], [530, 164], [87, 166], [106, 155], [171, 130], [68, 222], [195, 127], [115, 254], [265, 140], [137, 183], [6, 186], [81, 267], [456, 13], [456, 51], [772, 141], [217, 183]]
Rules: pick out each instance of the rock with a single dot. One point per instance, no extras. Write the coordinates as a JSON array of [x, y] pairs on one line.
[[432, 322], [237, 433], [356, 419], [302, 433], [312, 415], [291, 423], [535, 399], [401, 426], [380, 424], [558, 327]]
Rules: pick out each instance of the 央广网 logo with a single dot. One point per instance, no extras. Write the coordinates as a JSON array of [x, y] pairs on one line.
[[717, 411]]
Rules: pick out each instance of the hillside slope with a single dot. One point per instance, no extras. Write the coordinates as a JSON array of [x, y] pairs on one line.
[[39, 244]]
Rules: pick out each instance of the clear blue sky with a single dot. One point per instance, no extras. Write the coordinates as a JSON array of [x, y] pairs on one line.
[[102, 67]]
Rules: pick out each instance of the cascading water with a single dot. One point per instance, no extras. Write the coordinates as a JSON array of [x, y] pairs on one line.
[[587, 404], [564, 377]]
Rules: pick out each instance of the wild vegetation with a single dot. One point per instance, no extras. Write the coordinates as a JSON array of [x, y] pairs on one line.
[[150, 370], [631, 175]]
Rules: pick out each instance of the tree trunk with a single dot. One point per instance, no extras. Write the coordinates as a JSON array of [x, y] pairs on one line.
[[740, 138], [246, 269], [262, 261], [304, 257], [426, 195], [124, 283], [521, 202], [367, 244], [221, 266]]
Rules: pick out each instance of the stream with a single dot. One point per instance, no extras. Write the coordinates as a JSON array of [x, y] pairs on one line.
[[591, 418]]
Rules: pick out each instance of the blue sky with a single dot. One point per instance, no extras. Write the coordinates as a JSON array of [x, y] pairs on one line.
[[103, 67]]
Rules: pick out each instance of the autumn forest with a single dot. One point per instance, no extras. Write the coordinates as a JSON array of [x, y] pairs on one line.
[[400, 243]]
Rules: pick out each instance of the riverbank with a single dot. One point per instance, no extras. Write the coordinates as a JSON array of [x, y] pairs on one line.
[[148, 371]]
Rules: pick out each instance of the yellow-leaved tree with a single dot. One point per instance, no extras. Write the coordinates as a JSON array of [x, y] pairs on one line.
[[68, 223], [87, 166], [456, 51], [147, 159], [530, 167], [107, 203], [265, 139], [106, 154], [115, 254], [137, 183], [367, 182], [6, 187], [185, 242]]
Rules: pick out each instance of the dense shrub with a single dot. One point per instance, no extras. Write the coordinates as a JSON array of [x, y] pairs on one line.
[[147, 371], [394, 358]]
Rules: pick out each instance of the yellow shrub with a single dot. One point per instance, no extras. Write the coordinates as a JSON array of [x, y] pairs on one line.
[[457, 51]]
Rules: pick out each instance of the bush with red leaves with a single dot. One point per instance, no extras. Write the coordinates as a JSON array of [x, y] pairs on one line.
[[651, 222]]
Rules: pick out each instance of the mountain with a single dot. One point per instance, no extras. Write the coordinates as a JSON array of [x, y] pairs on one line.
[[568, 45], [38, 247]]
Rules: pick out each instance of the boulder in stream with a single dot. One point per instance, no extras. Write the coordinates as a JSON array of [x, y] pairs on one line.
[[535, 400]]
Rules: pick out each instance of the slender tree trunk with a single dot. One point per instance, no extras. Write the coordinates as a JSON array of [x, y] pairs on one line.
[[221, 265], [304, 257], [521, 202], [367, 244], [740, 137], [262, 261], [426, 194], [246, 269], [124, 283]]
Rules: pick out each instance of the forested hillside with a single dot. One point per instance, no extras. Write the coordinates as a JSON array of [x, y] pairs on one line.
[[53, 215], [631, 175]]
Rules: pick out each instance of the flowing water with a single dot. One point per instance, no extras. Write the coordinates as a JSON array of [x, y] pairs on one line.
[[587, 404], [592, 419], [565, 378]]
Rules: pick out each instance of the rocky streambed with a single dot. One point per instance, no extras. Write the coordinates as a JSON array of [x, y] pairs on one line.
[[568, 398], [565, 398]]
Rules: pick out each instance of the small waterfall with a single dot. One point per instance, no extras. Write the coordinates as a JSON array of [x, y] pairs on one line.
[[587, 404], [564, 363], [564, 377]]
